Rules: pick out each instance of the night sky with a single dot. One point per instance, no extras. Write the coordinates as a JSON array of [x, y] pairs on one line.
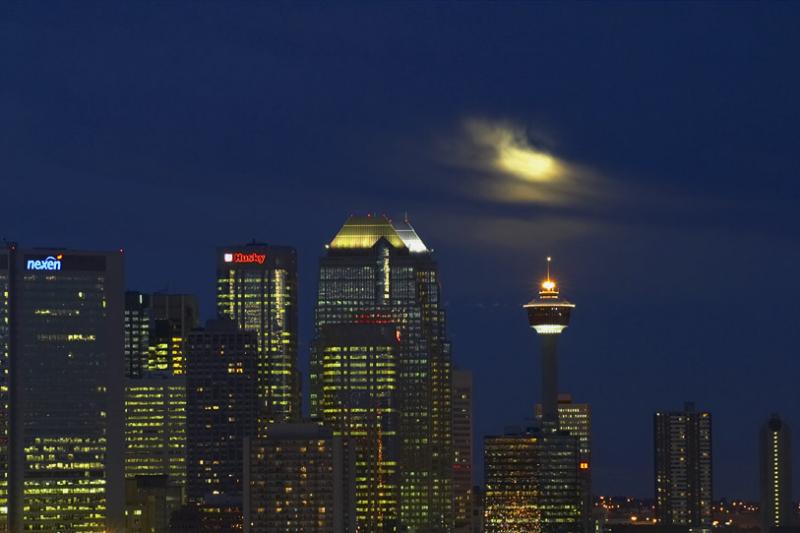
[[651, 149]]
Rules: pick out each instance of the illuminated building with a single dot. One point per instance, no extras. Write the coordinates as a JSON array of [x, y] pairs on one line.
[[358, 401], [511, 469], [462, 449], [576, 420], [561, 502], [297, 480], [4, 385], [257, 289], [155, 327], [683, 468], [137, 333], [776, 475], [149, 503], [155, 427], [377, 271], [66, 371], [221, 411]]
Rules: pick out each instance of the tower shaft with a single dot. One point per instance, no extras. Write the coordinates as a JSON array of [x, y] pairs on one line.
[[549, 381]]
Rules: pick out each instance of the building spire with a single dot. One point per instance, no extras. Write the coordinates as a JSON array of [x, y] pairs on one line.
[[548, 288]]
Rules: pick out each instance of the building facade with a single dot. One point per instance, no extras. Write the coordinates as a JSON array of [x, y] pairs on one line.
[[379, 272], [462, 450], [221, 411], [511, 470], [297, 481], [683, 489], [775, 447], [66, 364], [257, 289]]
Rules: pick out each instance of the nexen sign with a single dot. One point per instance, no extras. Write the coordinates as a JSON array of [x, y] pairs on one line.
[[48, 263]]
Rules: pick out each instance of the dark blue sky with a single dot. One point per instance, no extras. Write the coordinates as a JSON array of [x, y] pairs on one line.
[[170, 128]]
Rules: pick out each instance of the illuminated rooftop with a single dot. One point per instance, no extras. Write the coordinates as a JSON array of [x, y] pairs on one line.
[[364, 231]]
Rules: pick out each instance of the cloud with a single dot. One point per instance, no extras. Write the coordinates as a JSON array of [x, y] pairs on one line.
[[503, 162]]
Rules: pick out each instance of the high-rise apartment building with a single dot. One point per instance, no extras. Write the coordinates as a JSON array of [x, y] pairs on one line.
[[511, 465], [297, 480], [357, 400], [221, 412], [683, 468], [137, 332], [257, 289], [378, 272], [776, 475], [66, 364], [462, 450]]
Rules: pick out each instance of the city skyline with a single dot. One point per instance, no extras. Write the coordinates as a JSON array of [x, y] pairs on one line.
[[650, 149]]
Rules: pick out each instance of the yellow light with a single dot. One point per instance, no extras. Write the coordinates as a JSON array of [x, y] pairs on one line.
[[548, 285]]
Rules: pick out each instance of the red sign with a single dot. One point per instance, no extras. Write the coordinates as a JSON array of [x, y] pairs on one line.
[[239, 257]]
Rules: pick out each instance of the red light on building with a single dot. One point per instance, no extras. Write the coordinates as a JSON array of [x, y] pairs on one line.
[[239, 257]]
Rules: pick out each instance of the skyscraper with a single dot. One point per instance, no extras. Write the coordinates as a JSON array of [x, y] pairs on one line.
[[511, 466], [462, 449], [66, 363], [358, 401], [221, 412], [560, 498], [257, 289], [137, 332], [298, 480], [683, 468], [155, 427], [776, 475], [575, 419], [377, 272]]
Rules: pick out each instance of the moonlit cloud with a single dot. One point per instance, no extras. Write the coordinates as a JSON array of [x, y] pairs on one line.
[[506, 164]]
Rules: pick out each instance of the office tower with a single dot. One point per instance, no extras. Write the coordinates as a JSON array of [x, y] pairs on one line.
[[149, 503], [575, 419], [165, 355], [358, 401], [683, 468], [776, 475], [182, 310], [137, 332], [549, 316], [378, 272], [297, 481], [66, 364], [221, 412], [511, 469], [5, 310], [462, 449], [155, 427], [257, 289]]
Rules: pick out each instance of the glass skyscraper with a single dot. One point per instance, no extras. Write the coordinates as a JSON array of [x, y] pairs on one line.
[[66, 367], [257, 289], [379, 272]]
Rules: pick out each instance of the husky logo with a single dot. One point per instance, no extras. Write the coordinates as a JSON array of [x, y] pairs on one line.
[[48, 263], [239, 257]]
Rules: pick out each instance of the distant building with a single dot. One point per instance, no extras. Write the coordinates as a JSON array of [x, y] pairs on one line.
[[378, 271], [777, 505], [64, 352], [137, 332], [576, 420], [221, 412], [297, 480], [149, 503], [155, 427], [257, 290], [683, 489], [511, 466], [462, 450]]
